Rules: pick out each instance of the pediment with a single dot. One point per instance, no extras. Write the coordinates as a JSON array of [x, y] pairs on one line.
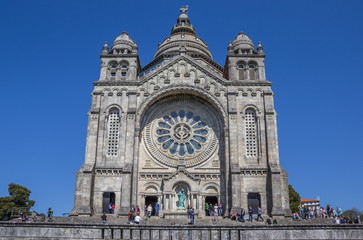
[[182, 69], [181, 174]]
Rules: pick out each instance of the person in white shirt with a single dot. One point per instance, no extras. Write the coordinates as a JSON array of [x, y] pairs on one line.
[[137, 219]]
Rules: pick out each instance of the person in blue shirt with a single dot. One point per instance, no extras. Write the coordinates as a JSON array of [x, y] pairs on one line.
[[157, 207], [259, 213], [243, 212], [250, 213], [192, 216]]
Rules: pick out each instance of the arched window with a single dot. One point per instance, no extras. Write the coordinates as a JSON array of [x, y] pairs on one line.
[[251, 133], [113, 70], [124, 69], [241, 72], [252, 71], [113, 131]]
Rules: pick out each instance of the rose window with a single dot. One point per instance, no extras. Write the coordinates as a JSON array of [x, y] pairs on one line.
[[181, 134]]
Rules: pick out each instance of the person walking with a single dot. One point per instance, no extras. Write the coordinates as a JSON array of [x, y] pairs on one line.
[[328, 210], [211, 211], [220, 209], [110, 207], [192, 216], [306, 212], [113, 208], [243, 212], [207, 209], [104, 218], [339, 211], [250, 214], [137, 210], [301, 210], [145, 210], [157, 208], [259, 213], [215, 210], [149, 210], [50, 214]]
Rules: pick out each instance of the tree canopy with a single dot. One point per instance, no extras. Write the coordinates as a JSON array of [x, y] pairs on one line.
[[294, 198], [353, 213], [18, 198]]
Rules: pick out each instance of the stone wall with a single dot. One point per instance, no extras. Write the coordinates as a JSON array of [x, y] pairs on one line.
[[97, 231]]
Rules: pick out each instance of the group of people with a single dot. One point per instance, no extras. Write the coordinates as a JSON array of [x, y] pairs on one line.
[[240, 216], [306, 213], [213, 210], [111, 207]]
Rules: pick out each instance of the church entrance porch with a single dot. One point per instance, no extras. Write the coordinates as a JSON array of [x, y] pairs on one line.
[[108, 199], [211, 200], [254, 201], [151, 200]]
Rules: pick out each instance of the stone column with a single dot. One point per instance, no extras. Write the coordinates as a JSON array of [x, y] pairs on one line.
[[226, 173], [135, 171], [85, 175], [234, 153], [273, 155], [126, 190]]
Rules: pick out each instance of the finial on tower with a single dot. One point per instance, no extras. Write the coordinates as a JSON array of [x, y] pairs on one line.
[[259, 48], [184, 9], [105, 48]]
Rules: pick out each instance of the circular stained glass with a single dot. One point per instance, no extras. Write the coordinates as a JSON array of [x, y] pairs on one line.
[[182, 133], [181, 129]]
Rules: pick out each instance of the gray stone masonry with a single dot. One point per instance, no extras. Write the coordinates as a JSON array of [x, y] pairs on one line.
[[182, 122], [62, 231]]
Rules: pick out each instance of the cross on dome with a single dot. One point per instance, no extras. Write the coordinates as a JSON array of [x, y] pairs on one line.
[[184, 9]]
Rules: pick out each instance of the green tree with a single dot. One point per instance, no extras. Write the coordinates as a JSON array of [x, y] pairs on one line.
[[19, 198], [352, 213], [294, 198]]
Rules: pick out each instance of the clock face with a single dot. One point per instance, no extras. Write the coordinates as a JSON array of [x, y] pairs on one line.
[[183, 129]]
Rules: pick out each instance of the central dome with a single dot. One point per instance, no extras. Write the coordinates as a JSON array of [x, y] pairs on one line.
[[183, 38]]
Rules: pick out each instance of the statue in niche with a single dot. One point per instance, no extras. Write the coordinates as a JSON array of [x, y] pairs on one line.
[[182, 197]]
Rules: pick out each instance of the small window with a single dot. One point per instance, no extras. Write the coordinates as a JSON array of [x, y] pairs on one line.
[[123, 74], [113, 66], [252, 72], [113, 74], [241, 72]]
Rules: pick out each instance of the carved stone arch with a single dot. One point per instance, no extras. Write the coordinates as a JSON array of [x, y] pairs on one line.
[[259, 92], [240, 91], [180, 184], [109, 63], [250, 106], [112, 106], [106, 90], [172, 90], [124, 61], [239, 63], [253, 62], [155, 187], [211, 185]]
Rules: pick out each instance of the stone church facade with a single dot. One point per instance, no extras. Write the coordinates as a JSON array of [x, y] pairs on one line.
[[182, 122]]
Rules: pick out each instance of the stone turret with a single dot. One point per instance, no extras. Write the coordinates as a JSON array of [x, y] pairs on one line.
[[244, 63], [122, 62]]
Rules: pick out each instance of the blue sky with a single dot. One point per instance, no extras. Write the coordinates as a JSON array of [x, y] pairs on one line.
[[50, 57]]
